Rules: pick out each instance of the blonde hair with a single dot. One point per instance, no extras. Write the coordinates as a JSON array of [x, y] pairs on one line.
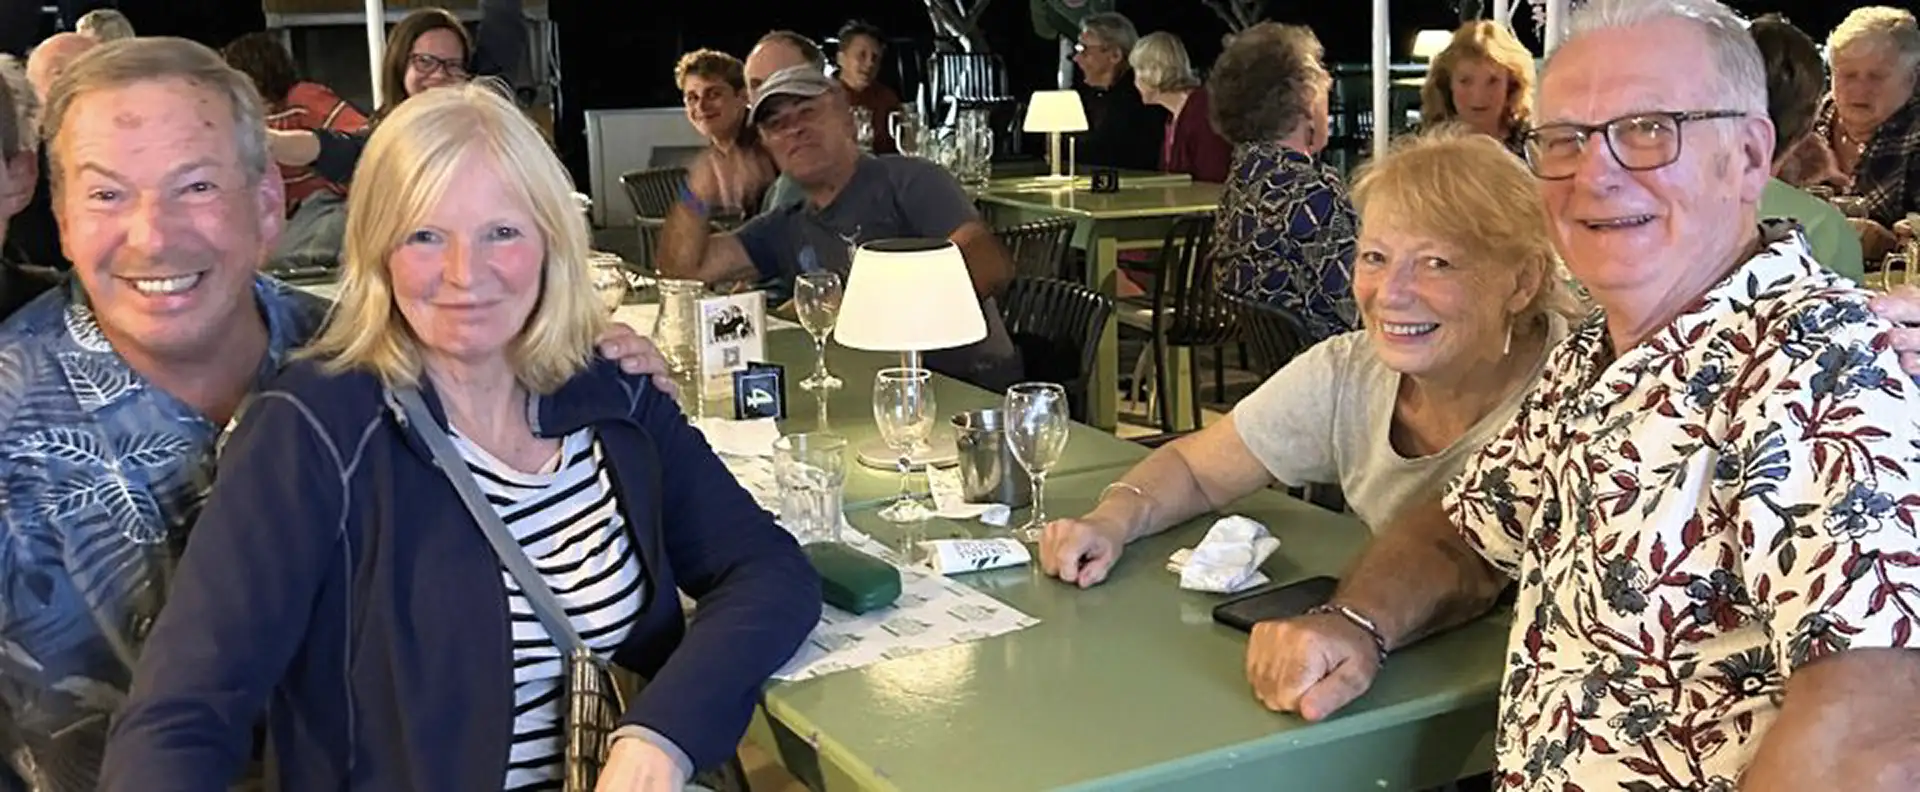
[[1466, 189], [153, 59], [1479, 41], [104, 25], [1875, 26], [405, 171], [1160, 60]]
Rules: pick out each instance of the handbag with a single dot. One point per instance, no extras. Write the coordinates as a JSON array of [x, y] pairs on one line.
[[591, 703]]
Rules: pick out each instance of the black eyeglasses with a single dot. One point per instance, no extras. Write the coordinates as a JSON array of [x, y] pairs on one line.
[[1639, 142], [428, 64]]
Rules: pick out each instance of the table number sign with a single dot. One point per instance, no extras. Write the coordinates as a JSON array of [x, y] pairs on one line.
[[1106, 180]]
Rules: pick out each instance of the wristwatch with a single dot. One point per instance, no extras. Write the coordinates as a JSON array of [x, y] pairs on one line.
[[1362, 622]]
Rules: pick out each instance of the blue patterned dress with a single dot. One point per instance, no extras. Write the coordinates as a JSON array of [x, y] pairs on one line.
[[1285, 235]]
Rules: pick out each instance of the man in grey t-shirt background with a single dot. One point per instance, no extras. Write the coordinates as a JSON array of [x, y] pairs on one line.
[[805, 123]]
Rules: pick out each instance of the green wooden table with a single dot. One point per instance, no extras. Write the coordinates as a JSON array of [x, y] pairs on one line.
[[1084, 180], [1131, 686], [1136, 217]]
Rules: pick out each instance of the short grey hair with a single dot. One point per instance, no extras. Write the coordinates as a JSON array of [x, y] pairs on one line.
[[137, 60], [1114, 29], [22, 136], [1875, 26], [1161, 61], [104, 25], [1743, 74]]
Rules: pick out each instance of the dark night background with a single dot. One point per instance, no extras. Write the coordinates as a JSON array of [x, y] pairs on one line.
[[620, 53]]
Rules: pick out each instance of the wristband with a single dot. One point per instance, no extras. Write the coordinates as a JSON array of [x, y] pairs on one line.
[[691, 201], [1362, 622]]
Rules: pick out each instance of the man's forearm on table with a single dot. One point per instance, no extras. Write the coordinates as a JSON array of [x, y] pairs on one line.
[[1418, 578], [1849, 721]]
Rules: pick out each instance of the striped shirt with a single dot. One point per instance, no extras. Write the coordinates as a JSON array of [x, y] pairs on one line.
[[566, 519]]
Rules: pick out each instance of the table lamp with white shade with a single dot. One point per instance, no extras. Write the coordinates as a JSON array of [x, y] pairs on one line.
[[1055, 112], [1428, 43], [909, 296]]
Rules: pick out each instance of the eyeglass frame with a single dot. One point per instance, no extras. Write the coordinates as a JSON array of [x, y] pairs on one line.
[[429, 63], [1680, 119]]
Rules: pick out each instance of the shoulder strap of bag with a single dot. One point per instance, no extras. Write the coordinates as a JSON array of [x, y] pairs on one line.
[[512, 556]]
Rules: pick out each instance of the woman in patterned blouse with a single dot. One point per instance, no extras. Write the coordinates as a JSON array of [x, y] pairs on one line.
[[1285, 228], [1870, 123], [1461, 291], [1484, 79]]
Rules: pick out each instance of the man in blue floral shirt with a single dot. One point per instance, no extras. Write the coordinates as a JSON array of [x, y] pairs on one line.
[[116, 388], [1710, 499]]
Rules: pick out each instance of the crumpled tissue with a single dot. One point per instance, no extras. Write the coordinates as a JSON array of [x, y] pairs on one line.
[[1228, 559]]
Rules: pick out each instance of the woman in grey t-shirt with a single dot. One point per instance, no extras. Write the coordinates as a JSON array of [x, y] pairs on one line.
[[1461, 294]]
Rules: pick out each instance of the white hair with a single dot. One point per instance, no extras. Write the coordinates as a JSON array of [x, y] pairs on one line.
[[1879, 26], [1114, 29], [1742, 72]]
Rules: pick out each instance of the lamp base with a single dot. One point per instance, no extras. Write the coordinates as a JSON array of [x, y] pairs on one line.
[[939, 452]]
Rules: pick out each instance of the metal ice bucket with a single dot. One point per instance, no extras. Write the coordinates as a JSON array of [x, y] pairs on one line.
[[988, 471]]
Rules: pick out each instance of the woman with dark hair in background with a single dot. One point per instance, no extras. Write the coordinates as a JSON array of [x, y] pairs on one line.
[[861, 47]]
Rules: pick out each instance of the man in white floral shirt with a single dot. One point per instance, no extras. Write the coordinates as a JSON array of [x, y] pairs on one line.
[[1709, 501]]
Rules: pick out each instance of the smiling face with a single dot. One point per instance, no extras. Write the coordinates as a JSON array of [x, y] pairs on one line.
[[1430, 308], [159, 216], [1869, 84], [859, 59], [1638, 238], [467, 276], [714, 107], [809, 138], [1479, 89], [438, 58]]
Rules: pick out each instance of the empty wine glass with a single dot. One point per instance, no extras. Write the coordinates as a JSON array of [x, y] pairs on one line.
[[903, 408], [816, 298], [1036, 421]]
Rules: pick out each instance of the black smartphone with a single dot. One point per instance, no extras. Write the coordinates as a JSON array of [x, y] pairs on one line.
[[1275, 602]]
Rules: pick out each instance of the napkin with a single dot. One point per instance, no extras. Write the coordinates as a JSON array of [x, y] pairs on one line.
[[950, 499], [740, 438], [1228, 559]]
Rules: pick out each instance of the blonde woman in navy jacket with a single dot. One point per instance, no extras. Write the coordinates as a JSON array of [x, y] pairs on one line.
[[336, 584]]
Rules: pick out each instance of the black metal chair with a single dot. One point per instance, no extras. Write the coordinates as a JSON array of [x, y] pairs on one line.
[[1187, 310], [1274, 333], [653, 192], [1039, 248], [1056, 324]]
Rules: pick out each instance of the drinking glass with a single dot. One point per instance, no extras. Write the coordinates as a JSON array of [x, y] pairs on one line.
[[1036, 421], [609, 279], [816, 298], [863, 127], [904, 124], [676, 331], [811, 468], [903, 408]]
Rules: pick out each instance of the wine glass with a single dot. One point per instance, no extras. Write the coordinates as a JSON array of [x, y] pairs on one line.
[[903, 409], [816, 298], [1036, 421]]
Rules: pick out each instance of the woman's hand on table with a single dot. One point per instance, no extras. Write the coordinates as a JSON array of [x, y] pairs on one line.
[[1312, 665], [1081, 550], [1901, 306], [635, 765], [637, 356]]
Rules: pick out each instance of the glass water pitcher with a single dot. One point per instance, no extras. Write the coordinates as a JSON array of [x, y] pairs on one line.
[[676, 331]]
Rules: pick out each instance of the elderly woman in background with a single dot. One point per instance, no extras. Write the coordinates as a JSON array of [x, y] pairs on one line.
[[861, 47], [1462, 296], [1165, 78], [396, 650], [1285, 230], [713, 86], [1871, 122], [1484, 79]]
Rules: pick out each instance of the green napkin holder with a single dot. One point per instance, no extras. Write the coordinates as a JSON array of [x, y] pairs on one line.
[[851, 580]]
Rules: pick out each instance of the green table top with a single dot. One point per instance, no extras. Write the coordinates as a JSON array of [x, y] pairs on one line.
[[1127, 204], [1129, 684], [850, 414], [1129, 179]]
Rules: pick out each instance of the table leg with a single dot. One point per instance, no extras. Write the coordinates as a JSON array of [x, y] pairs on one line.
[[1103, 274]]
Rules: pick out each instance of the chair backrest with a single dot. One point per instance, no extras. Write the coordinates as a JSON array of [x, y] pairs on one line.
[[1056, 324], [653, 191], [1187, 303], [966, 79], [1039, 248], [1274, 334]]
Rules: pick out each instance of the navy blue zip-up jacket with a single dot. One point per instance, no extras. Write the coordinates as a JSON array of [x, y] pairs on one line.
[[336, 582]]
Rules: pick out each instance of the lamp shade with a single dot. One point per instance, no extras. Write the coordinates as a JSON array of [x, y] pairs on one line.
[[1428, 43], [1055, 111], [909, 295]]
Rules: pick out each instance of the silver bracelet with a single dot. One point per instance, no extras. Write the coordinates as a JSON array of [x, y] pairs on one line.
[[1152, 505]]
